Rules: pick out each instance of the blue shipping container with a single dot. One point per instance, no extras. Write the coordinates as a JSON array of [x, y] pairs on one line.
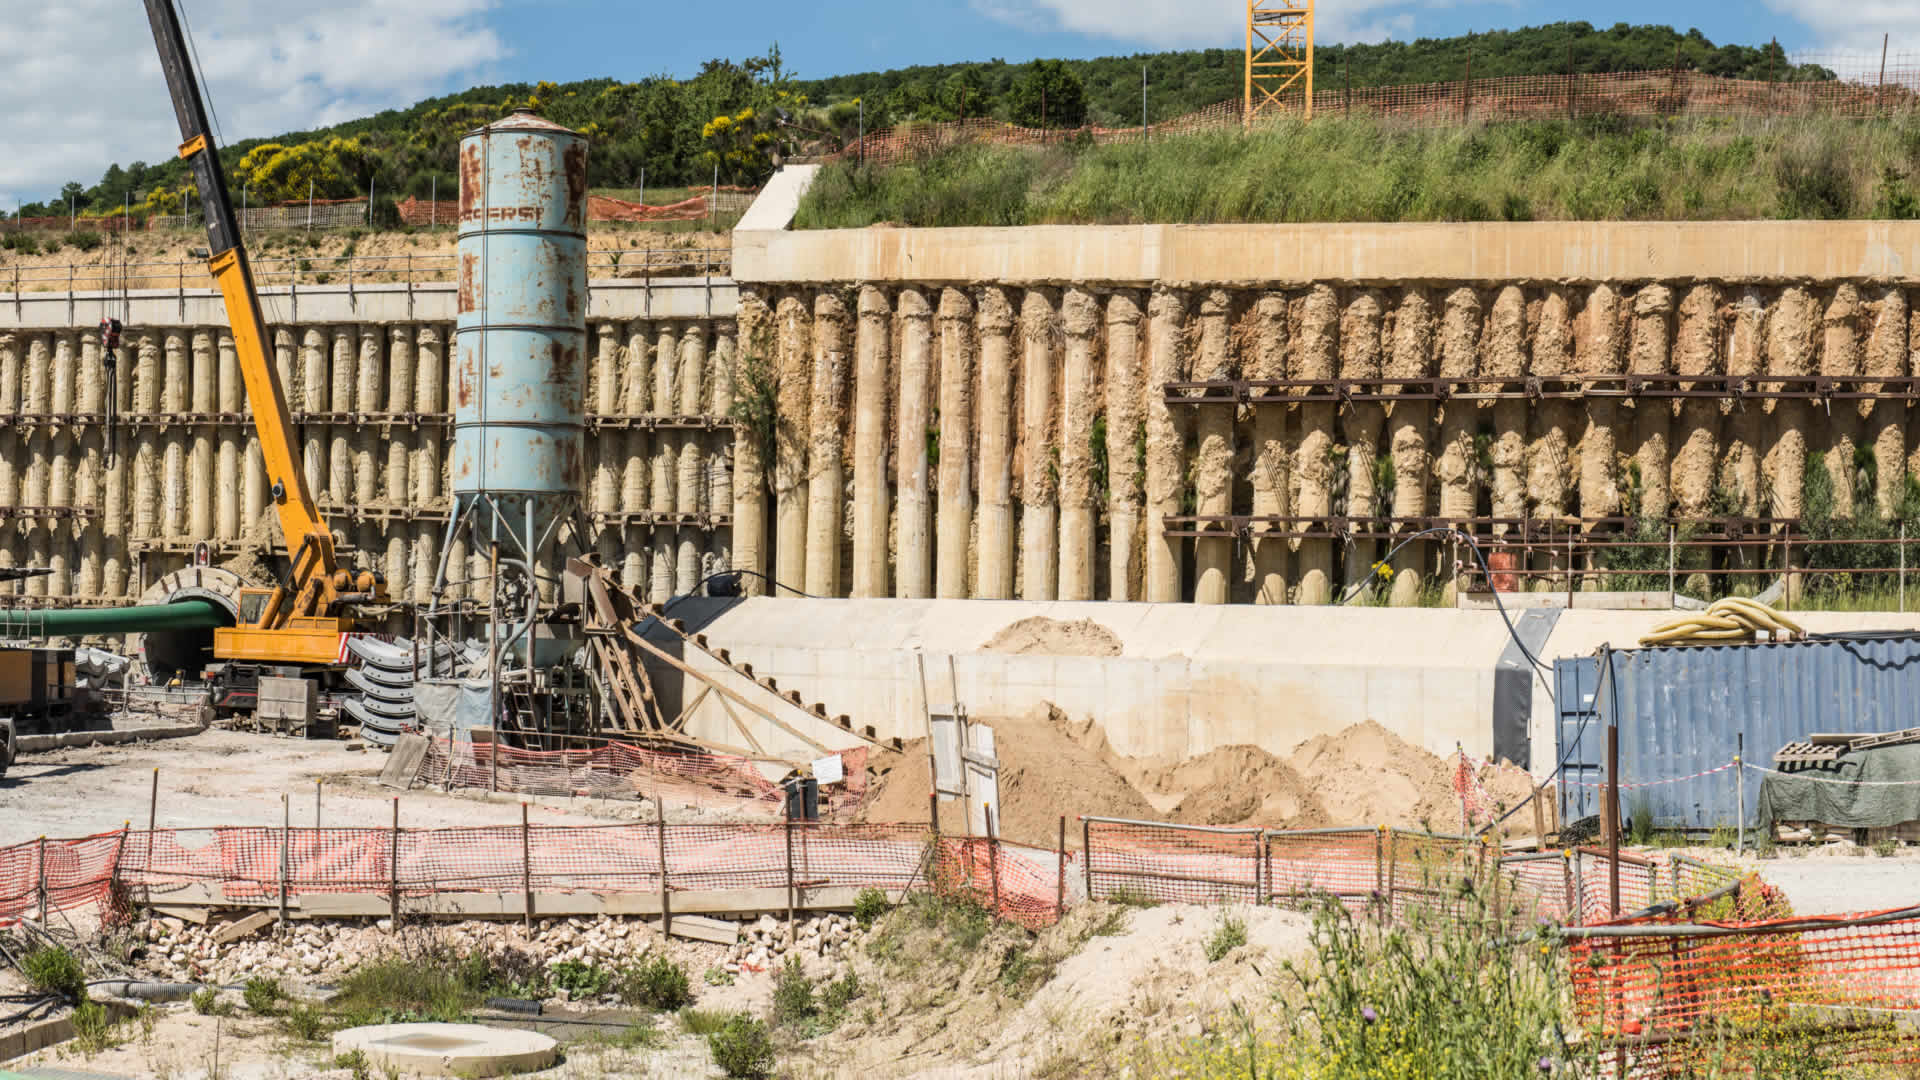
[[1683, 712]]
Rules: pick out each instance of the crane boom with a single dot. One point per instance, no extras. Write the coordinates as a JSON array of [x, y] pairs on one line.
[[301, 620]]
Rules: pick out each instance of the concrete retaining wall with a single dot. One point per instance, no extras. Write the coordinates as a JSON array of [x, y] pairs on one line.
[[111, 509], [1188, 679], [984, 412]]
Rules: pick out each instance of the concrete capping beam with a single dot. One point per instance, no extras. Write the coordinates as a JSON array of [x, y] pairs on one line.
[[1629, 251], [36, 744], [609, 298], [18, 1044], [776, 204]]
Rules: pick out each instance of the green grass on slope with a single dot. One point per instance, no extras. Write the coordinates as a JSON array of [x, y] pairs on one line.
[[1365, 170]]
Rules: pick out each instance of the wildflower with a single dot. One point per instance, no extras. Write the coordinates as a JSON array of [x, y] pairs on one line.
[[1546, 1064], [1368, 1015]]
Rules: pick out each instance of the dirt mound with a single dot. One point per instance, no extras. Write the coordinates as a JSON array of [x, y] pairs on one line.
[[1238, 785], [1044, 773], [1052, 764], [1367, 775], [1052, 637]]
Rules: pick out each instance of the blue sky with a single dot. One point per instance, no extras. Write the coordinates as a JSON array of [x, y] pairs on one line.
[[84, 89]]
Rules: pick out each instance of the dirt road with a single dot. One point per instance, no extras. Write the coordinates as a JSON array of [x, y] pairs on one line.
[[229, 778]]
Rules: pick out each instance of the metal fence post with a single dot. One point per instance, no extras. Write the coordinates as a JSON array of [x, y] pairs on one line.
[[393, 863], [1086, 854], [1393, 865], [286, 828], [790, 897], [1672, 537], [1060, 886], [993, 860], [526, 862], [1379, 861], [666, 898], [1566, 881], [1739, 793], [42, 874], [1260, 867]]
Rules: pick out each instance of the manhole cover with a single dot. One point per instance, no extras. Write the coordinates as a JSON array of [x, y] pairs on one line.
[[449, 1049]]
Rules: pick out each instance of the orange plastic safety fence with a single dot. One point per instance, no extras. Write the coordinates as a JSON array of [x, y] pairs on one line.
[[1752, 981], [1019, 884], [1188, 864], [56, 875], [1344, 863], [623, 771]]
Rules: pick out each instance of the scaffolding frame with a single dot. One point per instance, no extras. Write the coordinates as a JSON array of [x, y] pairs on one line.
[[1279, 56]]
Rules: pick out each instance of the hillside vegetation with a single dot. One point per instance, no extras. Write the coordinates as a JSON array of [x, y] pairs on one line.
[[727, 118], [1366, 170]]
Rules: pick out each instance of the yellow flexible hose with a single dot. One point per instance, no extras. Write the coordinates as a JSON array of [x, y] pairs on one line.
[[1733, 618]]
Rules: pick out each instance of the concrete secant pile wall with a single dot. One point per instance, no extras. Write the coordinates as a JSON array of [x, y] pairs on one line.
[[110, 509], [984, 413]]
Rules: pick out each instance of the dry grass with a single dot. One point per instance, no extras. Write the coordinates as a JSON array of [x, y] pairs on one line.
[[1350, 170]]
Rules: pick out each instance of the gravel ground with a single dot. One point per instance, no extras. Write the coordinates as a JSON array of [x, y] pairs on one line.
[[231, 778], [1826, 879], [1825, 882]]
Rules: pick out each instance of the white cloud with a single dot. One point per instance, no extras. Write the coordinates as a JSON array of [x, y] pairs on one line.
[[1858, 25], [84, 87], [1197, 23]]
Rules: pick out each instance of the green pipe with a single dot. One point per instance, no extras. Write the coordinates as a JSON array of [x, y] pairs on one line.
[[145, 618]]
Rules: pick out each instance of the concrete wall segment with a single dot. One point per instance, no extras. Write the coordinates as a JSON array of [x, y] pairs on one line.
[[1499, 253], [1189, 678]]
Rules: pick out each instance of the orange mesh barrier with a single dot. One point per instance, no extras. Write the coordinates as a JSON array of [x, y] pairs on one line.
[[1019, 884], [57, 875], [1344, 863], [1827, 986], [1184, 863], [624, 771], [245, 865]]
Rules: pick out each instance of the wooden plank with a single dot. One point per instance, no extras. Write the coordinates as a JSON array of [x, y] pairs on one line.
[[196, 915], [240, 928], [701, 928], [675, 662], [512, 905], [403, 765]]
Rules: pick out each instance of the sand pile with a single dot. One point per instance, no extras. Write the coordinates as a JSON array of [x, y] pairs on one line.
[[1053, 637], [1236, 785], [1044, 773], [1367, 775], [1052, 764]]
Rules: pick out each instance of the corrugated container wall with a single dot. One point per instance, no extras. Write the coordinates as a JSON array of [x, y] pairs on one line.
[[1685, 712]]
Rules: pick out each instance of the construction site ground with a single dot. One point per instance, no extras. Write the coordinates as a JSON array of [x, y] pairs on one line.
[[1107, 985], [236, 778], [1056, 766]]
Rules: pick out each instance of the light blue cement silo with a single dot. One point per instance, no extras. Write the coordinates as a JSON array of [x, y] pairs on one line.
[[519, 375]]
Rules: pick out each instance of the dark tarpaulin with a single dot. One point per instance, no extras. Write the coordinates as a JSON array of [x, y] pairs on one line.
[[1513, 687], [1864, 789]]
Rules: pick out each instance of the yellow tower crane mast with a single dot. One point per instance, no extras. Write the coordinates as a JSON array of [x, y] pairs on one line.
[[1279, 57]]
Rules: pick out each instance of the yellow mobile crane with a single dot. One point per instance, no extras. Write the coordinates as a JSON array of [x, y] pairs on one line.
[[300, 620]]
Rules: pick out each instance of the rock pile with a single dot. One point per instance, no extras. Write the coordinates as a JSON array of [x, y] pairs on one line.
[[325, 950], [818, 942]]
